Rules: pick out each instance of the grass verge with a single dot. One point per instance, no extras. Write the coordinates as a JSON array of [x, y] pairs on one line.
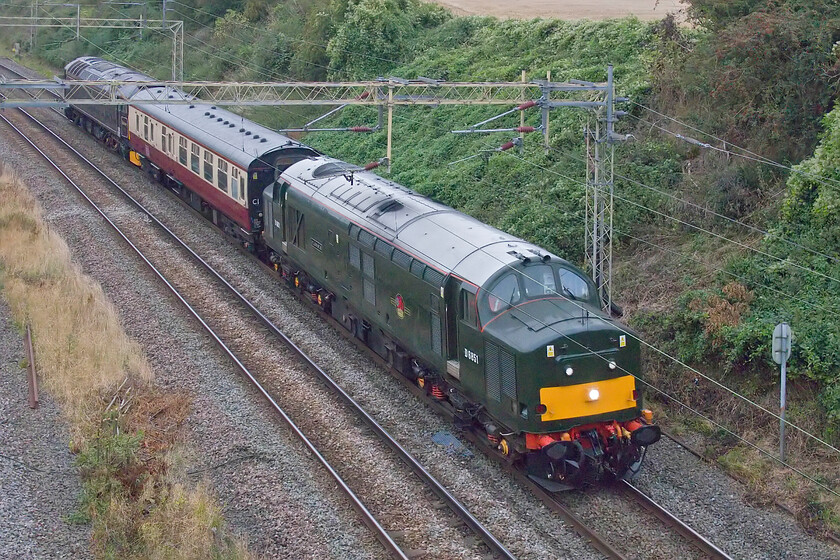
[[127, 434]]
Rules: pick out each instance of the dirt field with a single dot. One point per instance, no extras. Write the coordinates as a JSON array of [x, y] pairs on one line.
[[564, 9]]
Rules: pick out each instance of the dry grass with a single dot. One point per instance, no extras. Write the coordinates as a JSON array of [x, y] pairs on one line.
[[81, 348], [127, 434]]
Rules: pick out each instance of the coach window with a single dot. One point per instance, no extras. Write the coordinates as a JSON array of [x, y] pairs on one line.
[[146, 128], [222, 175], [137, 123], [152, 137], [208, 166], [242, 187], [234, 182], [182, 150], [195, 152], [163, 140]]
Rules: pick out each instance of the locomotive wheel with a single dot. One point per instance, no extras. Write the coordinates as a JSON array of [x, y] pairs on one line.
[[504, 448]]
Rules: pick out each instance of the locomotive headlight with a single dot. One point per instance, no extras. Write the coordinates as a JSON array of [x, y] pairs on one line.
[[594, 394], [612, 365], [569, 370]]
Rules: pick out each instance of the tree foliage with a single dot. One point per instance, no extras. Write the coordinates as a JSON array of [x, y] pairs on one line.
[[762, 74]]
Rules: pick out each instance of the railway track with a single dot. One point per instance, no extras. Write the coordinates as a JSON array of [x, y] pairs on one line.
[[176, 285], [554, 502]]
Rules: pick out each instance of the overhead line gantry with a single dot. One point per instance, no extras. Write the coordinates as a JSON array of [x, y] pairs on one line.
[[385, 94]]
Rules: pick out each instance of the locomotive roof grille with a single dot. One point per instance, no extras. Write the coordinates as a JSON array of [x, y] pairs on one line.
[[334, 168], [389, 206]]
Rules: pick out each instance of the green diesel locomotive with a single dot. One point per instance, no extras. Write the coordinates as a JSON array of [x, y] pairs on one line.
[[507, 334]]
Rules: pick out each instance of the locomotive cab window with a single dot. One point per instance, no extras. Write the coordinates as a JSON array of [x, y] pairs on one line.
[[574, 286], [538, 281], [504, 293]]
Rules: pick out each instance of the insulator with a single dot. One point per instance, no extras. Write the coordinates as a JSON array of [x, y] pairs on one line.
[[525, 129], [527, 105], [506, 146], [437, 392], [372, 165], [360, 129]]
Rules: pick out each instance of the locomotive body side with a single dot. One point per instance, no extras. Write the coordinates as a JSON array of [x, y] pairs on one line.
[[516, 345], [385, 297]]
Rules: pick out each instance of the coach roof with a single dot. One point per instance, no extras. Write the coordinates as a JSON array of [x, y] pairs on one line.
[[230, 135]]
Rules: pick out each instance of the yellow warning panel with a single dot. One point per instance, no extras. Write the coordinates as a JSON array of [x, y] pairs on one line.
[[574, 401], [134, 158]]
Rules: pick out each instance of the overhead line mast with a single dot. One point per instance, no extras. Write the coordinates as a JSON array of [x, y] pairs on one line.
[[176, 27], [600, 152]]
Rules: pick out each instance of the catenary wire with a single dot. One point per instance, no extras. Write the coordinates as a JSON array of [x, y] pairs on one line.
[[720, 385], [677, 400]]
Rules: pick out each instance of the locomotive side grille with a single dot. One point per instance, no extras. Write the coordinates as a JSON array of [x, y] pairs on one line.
[[355, 257], [492, 371], [508, 374], [433, 276], [370, 291], [401, 258], [367, 265], [437, 342], [366, 238], [417, 268]]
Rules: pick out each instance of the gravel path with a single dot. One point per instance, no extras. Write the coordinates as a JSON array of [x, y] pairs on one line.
[[39, 485], [678, 480]]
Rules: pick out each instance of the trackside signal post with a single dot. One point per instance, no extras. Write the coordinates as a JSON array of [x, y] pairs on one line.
[[781, 352]]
